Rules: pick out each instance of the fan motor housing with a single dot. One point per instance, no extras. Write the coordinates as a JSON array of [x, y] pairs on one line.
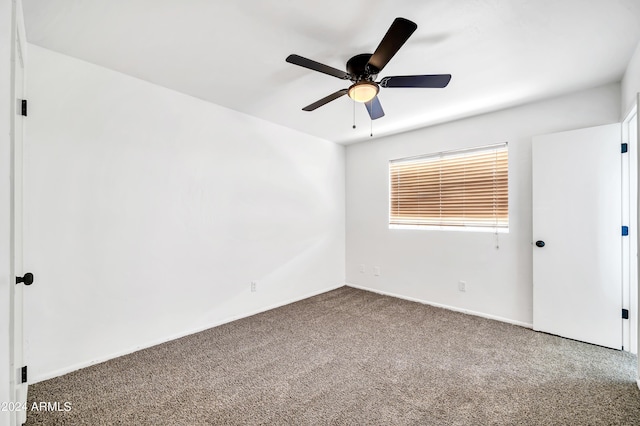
[[357, 67]]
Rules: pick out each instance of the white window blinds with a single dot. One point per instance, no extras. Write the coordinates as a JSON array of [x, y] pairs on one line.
[[452, 189]]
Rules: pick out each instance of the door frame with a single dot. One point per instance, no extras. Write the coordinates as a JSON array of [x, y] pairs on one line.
[[16, 343], [627, 123], [631, 187]]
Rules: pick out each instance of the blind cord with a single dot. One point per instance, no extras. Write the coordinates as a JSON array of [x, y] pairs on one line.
[[495, 213]]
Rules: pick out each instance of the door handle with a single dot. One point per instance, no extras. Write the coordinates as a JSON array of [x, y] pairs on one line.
[[540, 243], [27, 279]]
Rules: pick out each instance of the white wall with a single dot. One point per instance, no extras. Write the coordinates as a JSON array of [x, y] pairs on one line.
[[427, 265], [631, 82], [149, 213], [5, 188]]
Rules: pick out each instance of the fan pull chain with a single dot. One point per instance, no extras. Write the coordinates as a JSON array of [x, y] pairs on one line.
[[371, 122], [354, 114]]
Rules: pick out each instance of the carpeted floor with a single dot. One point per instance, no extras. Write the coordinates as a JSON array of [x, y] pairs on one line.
[[353, 357]]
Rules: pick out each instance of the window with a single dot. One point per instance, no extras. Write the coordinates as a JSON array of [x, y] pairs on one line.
[[466, 190]]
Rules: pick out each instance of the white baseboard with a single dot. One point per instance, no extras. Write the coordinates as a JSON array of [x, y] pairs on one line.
[[440, 305], [75, 367], [638, 383]]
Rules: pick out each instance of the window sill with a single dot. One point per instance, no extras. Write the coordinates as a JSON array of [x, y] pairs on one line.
[[452, 228]]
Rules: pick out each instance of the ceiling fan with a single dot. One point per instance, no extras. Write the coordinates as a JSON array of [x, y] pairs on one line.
[[363, 69]]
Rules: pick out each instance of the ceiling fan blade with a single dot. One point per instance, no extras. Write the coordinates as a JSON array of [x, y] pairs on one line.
[[317, 66], [399, 32], [374, 108], [326, 100], [435, 81]]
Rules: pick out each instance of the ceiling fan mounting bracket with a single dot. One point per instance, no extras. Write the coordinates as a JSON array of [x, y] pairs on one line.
[[359, 68]]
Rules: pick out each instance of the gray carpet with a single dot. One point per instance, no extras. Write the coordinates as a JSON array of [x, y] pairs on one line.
[[353, 357]]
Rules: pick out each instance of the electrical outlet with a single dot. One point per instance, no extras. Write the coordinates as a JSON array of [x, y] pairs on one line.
[[253, 286], [376, 271], [362, 269], [462, 286]]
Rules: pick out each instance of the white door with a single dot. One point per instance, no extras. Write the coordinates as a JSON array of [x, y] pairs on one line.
[[577, 274], [16, 334]]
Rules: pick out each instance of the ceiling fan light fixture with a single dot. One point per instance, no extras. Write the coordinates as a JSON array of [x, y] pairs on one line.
[[363, 91]]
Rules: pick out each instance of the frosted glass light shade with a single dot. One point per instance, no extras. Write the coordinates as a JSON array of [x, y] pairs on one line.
[[363, 91]]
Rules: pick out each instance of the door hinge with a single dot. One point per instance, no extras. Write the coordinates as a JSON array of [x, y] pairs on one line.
[[24, 374], [625, 231], [23, 110], [625, 314], [625, 148]]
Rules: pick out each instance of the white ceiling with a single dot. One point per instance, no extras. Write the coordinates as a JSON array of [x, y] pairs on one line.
[[232, 53]]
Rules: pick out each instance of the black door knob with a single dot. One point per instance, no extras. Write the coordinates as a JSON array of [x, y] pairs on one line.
[[540, 243], [27, 279]]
